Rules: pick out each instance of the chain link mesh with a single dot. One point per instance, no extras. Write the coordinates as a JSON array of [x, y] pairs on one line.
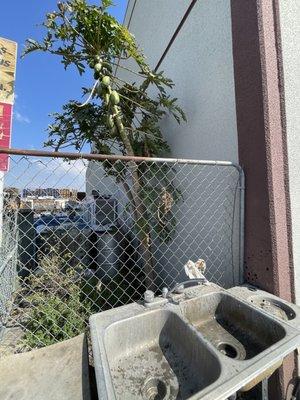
[[80, 236]]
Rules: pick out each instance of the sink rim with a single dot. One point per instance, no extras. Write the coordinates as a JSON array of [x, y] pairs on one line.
[[243, 292]]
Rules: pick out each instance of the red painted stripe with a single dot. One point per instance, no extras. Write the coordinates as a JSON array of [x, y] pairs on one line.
[[5, 132]]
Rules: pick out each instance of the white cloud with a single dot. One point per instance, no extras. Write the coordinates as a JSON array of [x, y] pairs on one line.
[[21, 118], [57, 172]]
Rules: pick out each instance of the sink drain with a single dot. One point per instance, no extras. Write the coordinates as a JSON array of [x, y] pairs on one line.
[[228, 350], [155, 389]]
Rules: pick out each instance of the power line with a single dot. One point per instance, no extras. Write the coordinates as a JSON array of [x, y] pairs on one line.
[[175, 34], [178, 29], [131, 14]]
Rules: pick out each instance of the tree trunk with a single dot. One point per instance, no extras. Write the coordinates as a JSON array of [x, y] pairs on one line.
[[139, 212]]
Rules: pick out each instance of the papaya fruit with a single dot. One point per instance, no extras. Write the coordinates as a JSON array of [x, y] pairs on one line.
[[119, 123], [114, 97], [106, 81], [106, 98], [100, 90], [98, 67]]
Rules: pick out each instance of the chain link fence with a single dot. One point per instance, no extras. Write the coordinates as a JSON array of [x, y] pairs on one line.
[[83, 233], [8, 266]]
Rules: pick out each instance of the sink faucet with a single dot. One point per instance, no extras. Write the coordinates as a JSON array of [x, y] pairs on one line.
[[179, 287]]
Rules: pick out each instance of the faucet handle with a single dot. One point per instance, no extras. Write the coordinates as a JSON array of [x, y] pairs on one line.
[[179, 288], [148, 296]]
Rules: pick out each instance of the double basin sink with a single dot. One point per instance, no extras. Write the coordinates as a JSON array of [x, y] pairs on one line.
[[205, 343]]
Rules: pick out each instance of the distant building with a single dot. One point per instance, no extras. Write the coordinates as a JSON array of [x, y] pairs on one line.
[[65, 193], [41, 192]]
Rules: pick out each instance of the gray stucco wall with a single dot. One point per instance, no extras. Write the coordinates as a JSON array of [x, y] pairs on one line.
[[290, 33], [201, 65]]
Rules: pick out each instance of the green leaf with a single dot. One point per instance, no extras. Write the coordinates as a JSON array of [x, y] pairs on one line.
[[107, 3]]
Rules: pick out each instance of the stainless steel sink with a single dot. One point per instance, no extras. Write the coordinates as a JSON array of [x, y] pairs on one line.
[[234, 328], [206, 343]]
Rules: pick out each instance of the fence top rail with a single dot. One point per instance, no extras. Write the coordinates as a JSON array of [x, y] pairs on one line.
[[113, 158]]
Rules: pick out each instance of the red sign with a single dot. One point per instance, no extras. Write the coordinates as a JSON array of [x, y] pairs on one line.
[[8, 53], [5, 132]]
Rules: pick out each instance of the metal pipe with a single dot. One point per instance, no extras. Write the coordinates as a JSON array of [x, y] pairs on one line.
[[192, 282], [242, 223], [265, 390], [110, 157]]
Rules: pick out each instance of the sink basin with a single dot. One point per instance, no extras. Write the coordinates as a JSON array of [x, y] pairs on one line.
[[234, 328], [205, 343], [158, 356]]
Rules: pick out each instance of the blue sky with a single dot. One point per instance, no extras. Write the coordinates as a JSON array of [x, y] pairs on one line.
[[42, 84]]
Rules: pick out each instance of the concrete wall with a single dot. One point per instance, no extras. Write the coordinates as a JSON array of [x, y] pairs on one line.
[[290, 36]]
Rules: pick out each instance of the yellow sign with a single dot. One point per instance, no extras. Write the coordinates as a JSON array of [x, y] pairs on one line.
[[8, 58]]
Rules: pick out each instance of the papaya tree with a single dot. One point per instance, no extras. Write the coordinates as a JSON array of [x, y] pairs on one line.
[[118, 116]]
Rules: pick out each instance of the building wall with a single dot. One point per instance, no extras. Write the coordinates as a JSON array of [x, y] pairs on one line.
[[290, 38], [200, 64]]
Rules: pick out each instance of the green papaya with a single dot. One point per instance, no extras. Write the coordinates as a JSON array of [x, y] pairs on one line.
[[106, 81], [106, 98], [114, 97], [99, 90], [119, 123], [98, 67]]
